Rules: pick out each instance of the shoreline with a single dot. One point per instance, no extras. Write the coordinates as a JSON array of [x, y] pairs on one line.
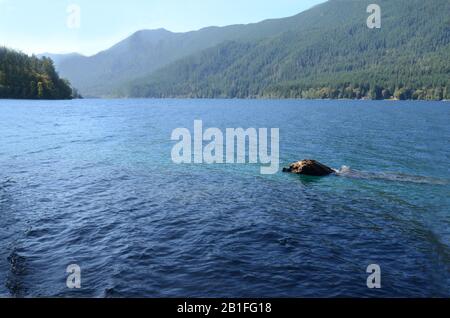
[[230, 98]]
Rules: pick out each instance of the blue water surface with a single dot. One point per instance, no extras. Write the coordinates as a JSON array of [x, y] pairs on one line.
[[91, 182]]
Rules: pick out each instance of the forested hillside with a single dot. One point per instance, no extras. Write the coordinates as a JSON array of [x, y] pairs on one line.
[[24, 77], [146, 51], [335, 56]]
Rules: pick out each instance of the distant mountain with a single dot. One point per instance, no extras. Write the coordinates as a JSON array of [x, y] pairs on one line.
[[24, 77], [148, 50], [325, 52], [59, 58]]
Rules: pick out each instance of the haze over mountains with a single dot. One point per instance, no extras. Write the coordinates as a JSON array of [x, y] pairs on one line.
[[148, 50], [325, 52], [59, 58]]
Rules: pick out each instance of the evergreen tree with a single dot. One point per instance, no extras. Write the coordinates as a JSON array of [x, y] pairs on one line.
[[336, 57], [25, 77]]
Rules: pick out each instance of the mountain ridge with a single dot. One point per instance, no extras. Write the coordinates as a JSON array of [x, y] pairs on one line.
[[338, 57], [323, 52], [100, 75]]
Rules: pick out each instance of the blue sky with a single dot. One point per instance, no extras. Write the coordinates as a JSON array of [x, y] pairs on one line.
[[41, 26]]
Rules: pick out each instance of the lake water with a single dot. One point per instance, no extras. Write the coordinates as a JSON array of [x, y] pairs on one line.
[[91, 182]]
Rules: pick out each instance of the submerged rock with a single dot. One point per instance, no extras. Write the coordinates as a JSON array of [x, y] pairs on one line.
[[309, 168]]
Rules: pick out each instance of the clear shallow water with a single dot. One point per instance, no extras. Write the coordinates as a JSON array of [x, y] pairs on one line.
[[91, 182]]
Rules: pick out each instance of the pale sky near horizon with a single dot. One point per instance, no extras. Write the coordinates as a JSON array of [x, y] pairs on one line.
[[42, 26]]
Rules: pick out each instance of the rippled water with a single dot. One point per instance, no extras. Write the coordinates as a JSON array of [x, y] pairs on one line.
[[91, 182]]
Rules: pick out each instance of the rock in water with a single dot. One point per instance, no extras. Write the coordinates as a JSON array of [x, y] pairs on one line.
[[309, 168]]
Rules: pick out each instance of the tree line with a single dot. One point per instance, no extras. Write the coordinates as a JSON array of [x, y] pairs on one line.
[[339, 57], [25, 77]]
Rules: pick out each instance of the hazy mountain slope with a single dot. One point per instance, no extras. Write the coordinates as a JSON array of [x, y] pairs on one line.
[[59, 58], [148, 50], [336, 56]]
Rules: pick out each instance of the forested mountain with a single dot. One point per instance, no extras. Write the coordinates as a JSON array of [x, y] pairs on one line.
[[148, 50], [331, 53], [24, 77]]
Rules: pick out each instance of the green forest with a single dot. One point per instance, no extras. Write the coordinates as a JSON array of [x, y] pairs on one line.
[[326, 52], [334, 56], [24, 77]]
